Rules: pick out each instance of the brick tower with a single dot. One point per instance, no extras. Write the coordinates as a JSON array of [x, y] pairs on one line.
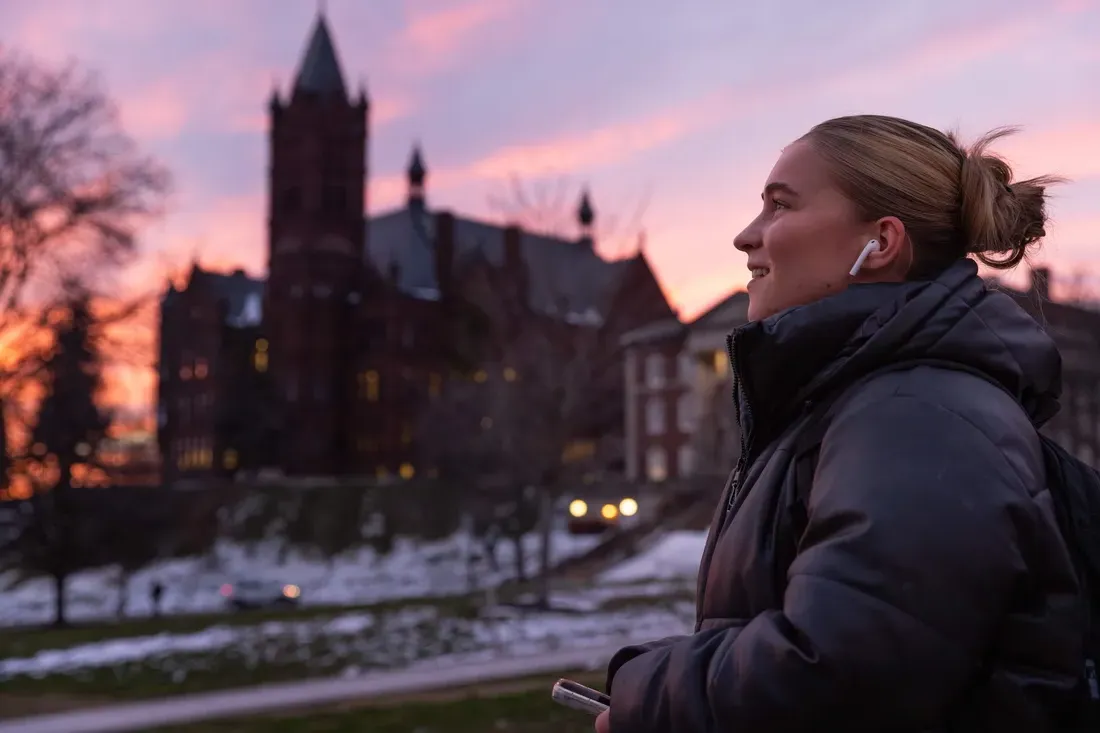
[[316, 243]]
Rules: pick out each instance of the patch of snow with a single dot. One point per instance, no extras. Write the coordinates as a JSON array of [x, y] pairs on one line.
[[363, 641], [674, 556], [412, 569]]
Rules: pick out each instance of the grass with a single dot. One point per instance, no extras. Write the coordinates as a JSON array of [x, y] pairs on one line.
[[260, 654], [290, 645], [522, 707]]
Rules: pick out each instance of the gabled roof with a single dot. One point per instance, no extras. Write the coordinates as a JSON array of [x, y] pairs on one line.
[[567, 277], [319, 72], [727, 313]]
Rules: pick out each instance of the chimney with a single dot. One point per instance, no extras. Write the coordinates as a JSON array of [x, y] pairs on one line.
[[1040, 283], [444, 251], [513, 260], [515, 269]]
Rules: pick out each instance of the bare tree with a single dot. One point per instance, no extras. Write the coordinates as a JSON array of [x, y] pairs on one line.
[[550, 209], [467, 435], [74, 190], [535, 419]]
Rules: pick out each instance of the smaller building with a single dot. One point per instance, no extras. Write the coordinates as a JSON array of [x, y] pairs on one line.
[[678, 385], [1075, 327], [677, 389], [215, 405]]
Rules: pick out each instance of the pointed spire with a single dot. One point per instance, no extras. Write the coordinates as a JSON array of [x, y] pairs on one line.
[[585, 217], [417, 174], [417, 171], [319, 72], [585, 214]]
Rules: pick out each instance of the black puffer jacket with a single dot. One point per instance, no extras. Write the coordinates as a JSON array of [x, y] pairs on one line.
[[931, 589]]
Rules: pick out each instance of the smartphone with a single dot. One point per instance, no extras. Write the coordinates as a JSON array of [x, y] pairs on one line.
[[575, 695]]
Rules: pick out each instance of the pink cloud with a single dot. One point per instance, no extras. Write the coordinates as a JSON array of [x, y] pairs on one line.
[[385, 192], [582, 151], [600, 147], [1071, 149], [434, 39], [154, 112], [387, 109]]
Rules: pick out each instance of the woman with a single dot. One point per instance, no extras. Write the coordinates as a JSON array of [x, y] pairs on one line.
[[920, 583]]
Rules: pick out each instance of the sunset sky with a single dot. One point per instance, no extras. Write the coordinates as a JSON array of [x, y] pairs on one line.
[[684, 105]]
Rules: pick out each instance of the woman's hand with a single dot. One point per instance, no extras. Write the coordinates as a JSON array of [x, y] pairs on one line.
[[603, 722]]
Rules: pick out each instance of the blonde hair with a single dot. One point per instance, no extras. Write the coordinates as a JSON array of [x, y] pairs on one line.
[[953, 200]]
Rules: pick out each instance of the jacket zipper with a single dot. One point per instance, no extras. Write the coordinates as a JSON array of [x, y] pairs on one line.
[[742, 459]]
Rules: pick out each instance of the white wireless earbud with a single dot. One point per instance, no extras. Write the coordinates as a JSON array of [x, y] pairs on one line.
[[872, 246]]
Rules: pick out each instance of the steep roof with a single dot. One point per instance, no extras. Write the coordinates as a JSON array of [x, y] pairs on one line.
[[724, 315], [728, 312], [319, 72], [564, 274]]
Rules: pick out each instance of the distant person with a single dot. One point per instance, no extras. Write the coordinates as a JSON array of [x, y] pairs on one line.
[[909, 573], [155, 595]]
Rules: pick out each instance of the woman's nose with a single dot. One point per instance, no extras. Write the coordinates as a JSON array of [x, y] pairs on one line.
[[748, 239]]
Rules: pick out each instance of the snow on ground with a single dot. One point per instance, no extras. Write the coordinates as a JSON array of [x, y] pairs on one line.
[[675, 556], [192, 585], [358, 641]]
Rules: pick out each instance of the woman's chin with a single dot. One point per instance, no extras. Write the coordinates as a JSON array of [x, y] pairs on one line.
[[758, 300]]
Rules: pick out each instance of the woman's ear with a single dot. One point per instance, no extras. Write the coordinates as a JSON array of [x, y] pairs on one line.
[[893, 256]]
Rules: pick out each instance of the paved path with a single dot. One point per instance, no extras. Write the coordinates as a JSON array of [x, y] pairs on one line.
[[149, 715]]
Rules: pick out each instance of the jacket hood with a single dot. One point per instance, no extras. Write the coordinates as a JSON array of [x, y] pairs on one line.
[[956, 319]]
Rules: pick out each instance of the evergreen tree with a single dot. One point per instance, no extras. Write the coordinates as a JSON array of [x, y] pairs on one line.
[[63, 447]]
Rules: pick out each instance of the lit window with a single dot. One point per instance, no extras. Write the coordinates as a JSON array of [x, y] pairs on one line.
[[655, 416], [260, 359], [261, 344], [480, 376], [578, 450], [185, 372], [381, 472], [368, 386], [656, 466], [509, 374], [407, 471], [229, 459], [721, 363], [200, 369], [486, 423]]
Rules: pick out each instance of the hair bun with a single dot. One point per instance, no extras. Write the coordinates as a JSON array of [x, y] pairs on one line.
[[1001, 219]]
